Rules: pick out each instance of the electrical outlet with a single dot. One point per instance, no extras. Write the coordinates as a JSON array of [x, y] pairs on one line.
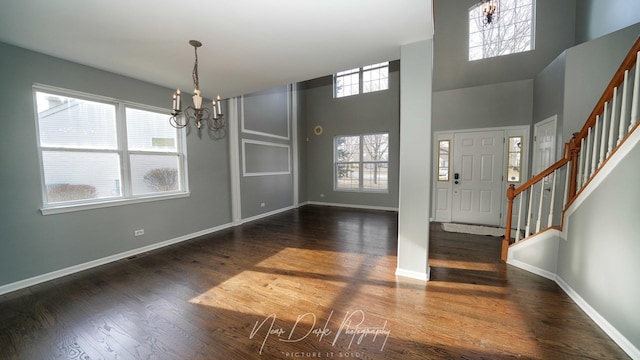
[[321, 195], [138, 232], [262, 204]]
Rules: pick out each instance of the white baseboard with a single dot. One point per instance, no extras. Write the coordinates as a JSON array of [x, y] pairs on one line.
[[532, 269], [414, 274], [367, 207], [94, 263], [267, 214], [606, 326]]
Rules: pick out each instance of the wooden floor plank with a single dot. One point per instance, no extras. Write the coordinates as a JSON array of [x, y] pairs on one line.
[[315, 281]]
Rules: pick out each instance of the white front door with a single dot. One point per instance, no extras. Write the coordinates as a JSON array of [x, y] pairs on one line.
[[478, 162]]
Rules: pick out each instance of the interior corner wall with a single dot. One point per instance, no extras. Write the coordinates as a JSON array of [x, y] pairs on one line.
[[589, 68], [368, 113], [32, 244], [548, 98], [496, 105], [596, 18]]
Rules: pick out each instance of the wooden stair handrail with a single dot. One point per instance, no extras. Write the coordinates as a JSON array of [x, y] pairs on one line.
[[534, 180], [572, 147], [617, 79]]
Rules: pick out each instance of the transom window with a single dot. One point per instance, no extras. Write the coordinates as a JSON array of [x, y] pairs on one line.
[[361, 162], [510, 31], [362, 80], [96, 150]]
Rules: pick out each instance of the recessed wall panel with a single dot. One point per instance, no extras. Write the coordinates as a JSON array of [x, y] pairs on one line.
[[266, 113], [263, 158]]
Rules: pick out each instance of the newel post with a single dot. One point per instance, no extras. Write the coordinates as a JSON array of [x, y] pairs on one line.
[[573, 181], [507, 235]]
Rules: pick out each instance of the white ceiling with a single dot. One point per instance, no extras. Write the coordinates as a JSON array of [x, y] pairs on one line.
[[248, 45]]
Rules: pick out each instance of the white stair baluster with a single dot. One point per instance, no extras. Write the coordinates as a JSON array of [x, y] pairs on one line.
[[612, 129], [623, 108], [553, 197], [540, 206], [528, 227], [519, 218], [587, 151], [594, 153], [580, 162], [603, 140], [566, 185], [636, 94]]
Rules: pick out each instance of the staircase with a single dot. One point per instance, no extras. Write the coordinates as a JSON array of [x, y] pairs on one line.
[[541, 202]]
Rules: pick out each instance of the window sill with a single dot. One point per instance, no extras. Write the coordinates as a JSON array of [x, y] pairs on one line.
[[367, 191], [59, 209]]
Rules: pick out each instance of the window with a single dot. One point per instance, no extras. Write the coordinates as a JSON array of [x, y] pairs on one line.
[[362, 80], [443, 160], [511, 32], [514, 169], [362, 162], [96, 150]]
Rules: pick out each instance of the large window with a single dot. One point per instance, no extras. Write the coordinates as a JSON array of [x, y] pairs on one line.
[[510, 32], [96, 150], [362, 80], [362, 162]]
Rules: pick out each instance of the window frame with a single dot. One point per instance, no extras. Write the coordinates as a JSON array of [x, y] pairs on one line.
[[122, 150], [446, 164], [482, 29], [519, 152], [360, 71], [361, 162]]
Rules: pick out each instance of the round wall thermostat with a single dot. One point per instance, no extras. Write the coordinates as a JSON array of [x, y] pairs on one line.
[[317, 130]]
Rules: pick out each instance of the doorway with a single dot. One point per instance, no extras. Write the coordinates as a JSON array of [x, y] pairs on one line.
[[470, 185]]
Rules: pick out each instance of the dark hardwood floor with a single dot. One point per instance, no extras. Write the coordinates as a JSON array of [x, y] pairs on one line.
[[316, 282]]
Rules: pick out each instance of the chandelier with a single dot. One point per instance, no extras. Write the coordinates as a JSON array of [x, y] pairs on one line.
[[490, 11], [196, 112]]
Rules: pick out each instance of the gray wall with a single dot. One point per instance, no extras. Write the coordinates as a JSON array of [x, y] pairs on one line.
[[32, 244], [496, 105], [595, 18], [589, 68], [548, 98], [266, 118], [555, 31], [599, 259], [360, 114]]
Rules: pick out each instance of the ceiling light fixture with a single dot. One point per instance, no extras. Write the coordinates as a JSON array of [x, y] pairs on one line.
[[490, 10], [196, 112]]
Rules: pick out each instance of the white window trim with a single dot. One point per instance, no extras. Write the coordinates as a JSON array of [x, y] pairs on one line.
[[360, 188], [127, 196], [360, 71], [533, 34]]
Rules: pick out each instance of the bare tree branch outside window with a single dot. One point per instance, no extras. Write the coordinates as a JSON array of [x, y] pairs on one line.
[[362, 162], [511, 32]]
